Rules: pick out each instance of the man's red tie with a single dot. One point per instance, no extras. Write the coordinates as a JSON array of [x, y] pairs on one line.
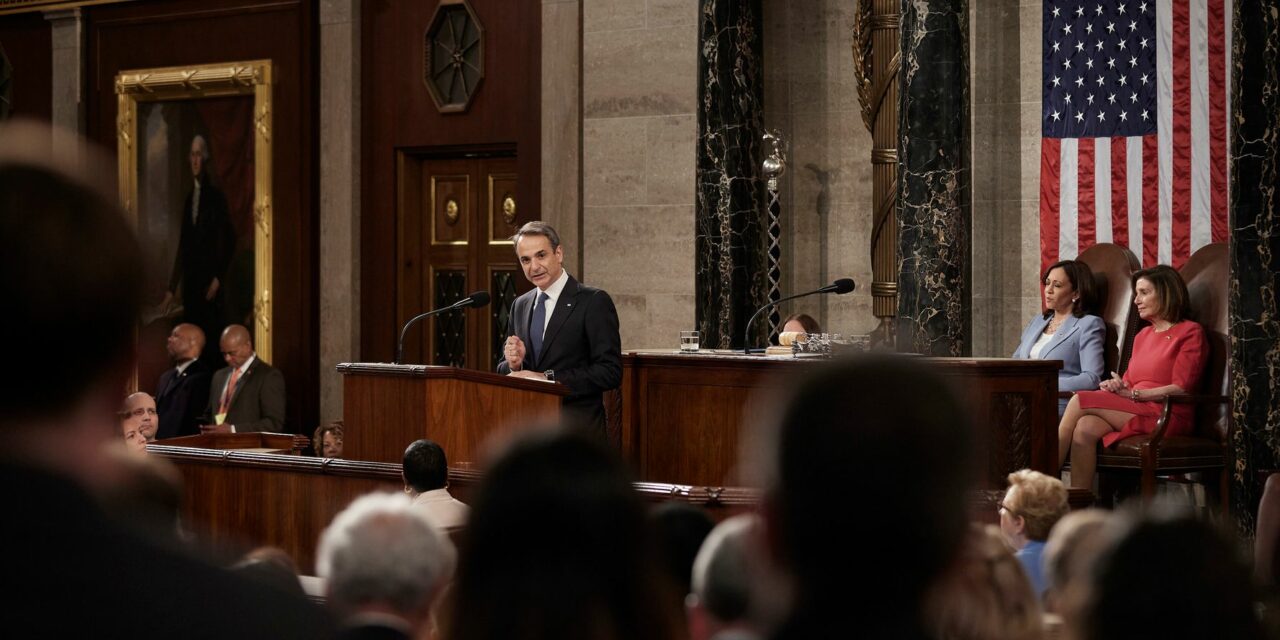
[[231, 389]]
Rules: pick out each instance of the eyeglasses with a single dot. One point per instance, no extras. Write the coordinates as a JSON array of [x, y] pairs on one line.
[[1002, 507]]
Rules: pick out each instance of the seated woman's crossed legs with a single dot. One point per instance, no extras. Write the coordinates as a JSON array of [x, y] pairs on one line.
[[1079, 432]]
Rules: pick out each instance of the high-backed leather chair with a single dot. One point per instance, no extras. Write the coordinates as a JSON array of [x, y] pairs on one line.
[[1206, 449], [1113, 266]]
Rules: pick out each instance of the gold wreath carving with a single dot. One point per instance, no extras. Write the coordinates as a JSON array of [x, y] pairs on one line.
[[509, 209], [451, 211]]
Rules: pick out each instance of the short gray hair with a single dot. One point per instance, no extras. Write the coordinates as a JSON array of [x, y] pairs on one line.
[[204, 146], [721, 574], [538, 228], [380, 550]]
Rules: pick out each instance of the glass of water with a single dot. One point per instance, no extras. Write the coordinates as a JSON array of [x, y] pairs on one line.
[[689, 340]]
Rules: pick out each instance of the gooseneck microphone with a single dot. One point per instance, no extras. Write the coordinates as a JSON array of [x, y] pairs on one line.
[[476, 299], [839, 287]]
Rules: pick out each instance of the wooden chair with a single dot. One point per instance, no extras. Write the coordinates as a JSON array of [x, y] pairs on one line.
[[1113, 266], [1206, 449]]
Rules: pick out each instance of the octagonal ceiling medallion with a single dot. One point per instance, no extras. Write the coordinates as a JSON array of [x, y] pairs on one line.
[[454, 56]]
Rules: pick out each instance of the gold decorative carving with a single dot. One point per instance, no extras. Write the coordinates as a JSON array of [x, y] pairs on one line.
[[24, 6], [248, 78], [509, 209], [451, 211]]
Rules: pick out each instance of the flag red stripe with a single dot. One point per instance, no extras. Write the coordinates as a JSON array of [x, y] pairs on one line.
[[1050, 156], [1150, 201], [1181, 188], [1087, 232], [1119, 192], [1217, 123]]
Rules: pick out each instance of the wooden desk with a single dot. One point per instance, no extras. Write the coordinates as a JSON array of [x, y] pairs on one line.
[[683, 415]]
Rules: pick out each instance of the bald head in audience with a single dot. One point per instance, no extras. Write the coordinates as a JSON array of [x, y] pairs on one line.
[[847, 426], [237, 345], [185, 342], [140, 412], [385, 564]]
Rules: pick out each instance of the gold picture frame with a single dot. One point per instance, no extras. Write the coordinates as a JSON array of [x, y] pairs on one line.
[[142, 94]]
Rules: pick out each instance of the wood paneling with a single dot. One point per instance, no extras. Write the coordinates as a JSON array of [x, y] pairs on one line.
[[684, 415], [27, 40], [140, 35], [399, 119]]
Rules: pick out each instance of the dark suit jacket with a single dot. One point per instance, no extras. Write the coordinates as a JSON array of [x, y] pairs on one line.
[[204, 253], [581, 345], [180, 399], [258, 402]]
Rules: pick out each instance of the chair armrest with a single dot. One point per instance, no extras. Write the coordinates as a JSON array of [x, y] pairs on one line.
[[1066, 395], [1181, 398]]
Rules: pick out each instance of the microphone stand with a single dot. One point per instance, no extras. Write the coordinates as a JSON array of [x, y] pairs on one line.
[[746, 334], [400, 345]]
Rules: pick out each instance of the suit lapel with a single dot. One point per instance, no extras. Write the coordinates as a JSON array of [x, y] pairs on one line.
[[1068, 327], [565, 306], [240, 382]]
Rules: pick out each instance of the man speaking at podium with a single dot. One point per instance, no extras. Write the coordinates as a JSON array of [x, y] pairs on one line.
[[564, 331]]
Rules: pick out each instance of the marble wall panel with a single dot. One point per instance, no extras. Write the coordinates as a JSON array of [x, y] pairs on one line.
[[562, 120], [639, 72]]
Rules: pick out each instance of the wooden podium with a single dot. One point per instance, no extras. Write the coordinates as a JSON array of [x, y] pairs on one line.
[[387, 406], [250, 442]]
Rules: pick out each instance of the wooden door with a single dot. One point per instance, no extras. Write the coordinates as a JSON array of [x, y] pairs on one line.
[[456, 214]]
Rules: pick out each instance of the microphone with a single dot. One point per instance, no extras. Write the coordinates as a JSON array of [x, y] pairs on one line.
[[476, 299], [839, 287]]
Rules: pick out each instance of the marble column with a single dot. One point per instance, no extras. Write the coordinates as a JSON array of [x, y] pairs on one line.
[[339, 197], [1255, 254], [67, 31], [933, 179], [731, 258]]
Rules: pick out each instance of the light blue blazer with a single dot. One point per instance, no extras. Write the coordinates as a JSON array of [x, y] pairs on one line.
[[1078, 344]]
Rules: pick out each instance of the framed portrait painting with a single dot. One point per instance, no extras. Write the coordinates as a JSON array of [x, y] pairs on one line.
[[194, 148]]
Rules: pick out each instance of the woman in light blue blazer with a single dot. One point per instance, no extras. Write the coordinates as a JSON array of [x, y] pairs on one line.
[[1066, 331]]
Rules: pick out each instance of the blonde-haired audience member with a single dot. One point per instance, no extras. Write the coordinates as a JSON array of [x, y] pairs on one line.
[[1068, 553], [1032, 505], [986, 595], [134, 441]]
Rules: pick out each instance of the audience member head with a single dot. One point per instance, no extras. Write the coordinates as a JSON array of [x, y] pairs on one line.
[[425, 467], [679, 530], [327, 440], [1031, 506], [1166, 574], [271, 566], [582, 564], [140, 412], [380, 555], [237, 345], [986, 595], [721, 596], [1159, 292], [1073, 545], [855, 423], [70, 255], [134, 441], [1072, 286], [185, 342], [801, 322]]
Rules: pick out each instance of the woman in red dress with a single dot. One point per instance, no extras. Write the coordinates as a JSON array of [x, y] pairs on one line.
[[1168, 358]]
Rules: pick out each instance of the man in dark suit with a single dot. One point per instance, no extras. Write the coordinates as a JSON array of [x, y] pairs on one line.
[[247, 394], [61, 443], [205, 246], [564, 331], [183, 391]]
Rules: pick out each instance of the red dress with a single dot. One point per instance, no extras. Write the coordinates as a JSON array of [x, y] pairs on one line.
[[1176, 356]]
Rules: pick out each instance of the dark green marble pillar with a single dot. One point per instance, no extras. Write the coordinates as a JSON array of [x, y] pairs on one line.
[[731, 258], [1255, 253], [933, 179]]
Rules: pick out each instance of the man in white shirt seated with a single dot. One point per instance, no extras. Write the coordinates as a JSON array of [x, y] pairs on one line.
[[426, 480]]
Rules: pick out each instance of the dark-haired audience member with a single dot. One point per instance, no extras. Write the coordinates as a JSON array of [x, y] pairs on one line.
[[385, 565], [140, 412], [426, 479], [679, 529], [1066, 331], [985, 595], [558, 547], [271, 566], [327, 440], [182, 392], [720, 602], [1073, 545], [1168, 575], [74, 256], [134, 441], [1031, 506], [801, 322], [247, 394], [845, 424]]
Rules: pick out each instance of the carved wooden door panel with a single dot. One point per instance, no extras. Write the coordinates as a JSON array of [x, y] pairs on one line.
[[456, 215]]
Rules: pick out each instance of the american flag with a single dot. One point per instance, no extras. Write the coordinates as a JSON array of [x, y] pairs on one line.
[[1136, 120]]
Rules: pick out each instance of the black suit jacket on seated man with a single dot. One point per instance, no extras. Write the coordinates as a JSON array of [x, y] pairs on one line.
[[581, 345], [257, 403], [181, 398]]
